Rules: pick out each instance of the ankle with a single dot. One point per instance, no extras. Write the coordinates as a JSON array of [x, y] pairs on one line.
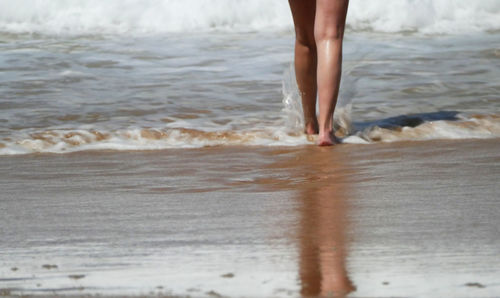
[[311, 128], [325, 131]]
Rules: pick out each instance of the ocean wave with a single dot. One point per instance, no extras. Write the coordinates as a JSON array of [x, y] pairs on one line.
[[406, 128], [76, 17], [418, 128]]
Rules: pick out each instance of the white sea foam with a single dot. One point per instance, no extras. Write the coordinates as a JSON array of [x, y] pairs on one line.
[[63, 141], [426, 16], [162, 16], [474, 127]]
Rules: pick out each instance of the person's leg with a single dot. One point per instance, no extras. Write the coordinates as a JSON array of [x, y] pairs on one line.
[[329, 32], [303, 12]]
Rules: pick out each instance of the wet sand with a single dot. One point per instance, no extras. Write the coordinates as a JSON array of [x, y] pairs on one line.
[[412, 219]]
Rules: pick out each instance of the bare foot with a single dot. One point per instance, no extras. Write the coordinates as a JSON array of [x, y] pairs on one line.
[[327, 139], [311, 128]]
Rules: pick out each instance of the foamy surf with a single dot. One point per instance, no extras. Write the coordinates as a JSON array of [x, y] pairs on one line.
[[474, 127], [62, 141], [415, 129], [166, 16]]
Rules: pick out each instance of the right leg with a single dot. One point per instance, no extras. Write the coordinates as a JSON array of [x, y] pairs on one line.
[[303, 12], [329, 33]]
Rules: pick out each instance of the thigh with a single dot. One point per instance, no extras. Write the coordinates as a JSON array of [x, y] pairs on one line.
[[303, 12]]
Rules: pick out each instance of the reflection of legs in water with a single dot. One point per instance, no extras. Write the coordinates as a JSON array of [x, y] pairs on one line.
[[319, 28], [331, 243], [322, 265], [324, 209]]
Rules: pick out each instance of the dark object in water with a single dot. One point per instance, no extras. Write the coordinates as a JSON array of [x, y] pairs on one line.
[[475, 285]]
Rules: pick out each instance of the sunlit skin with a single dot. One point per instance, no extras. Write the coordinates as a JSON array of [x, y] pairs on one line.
[[319, 32]]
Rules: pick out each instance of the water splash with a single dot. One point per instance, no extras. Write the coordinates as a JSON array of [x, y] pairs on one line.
[[292, 106]]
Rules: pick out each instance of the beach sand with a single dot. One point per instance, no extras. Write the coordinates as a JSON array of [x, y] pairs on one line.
[[412, 219]]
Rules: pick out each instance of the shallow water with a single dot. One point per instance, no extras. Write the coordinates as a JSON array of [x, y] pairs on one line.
[[64, 93]]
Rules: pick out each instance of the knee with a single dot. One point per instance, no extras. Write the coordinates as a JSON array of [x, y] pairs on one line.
[[305, 40], [329, 32]]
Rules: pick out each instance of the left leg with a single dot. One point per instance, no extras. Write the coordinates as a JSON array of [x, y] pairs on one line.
[[329, 33], [303, 12]]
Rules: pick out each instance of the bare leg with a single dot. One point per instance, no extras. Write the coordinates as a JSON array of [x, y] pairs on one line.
[[329, 32], [303, 12]]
